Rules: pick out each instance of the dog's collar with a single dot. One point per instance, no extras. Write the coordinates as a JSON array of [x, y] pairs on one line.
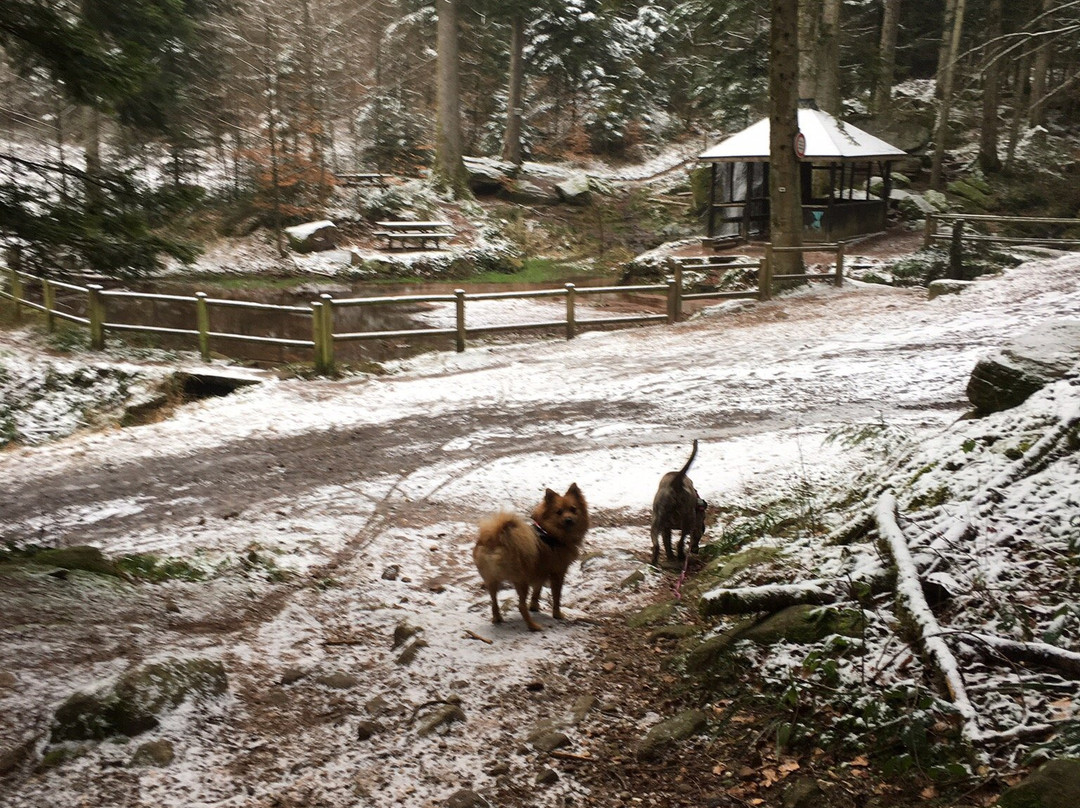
[[544, 536]]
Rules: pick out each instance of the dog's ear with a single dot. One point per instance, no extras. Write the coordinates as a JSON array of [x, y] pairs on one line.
[[573, 490], [549, 496]]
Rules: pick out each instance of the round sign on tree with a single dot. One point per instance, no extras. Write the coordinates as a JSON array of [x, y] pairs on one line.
[[800, 145]]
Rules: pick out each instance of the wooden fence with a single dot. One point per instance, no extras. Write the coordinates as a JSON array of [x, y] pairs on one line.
[[91, 309], [961, 221]]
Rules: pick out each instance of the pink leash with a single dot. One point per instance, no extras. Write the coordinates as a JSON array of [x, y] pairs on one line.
[[682, 578]]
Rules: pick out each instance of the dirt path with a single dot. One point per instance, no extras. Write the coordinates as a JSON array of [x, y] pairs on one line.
[[336, 518]]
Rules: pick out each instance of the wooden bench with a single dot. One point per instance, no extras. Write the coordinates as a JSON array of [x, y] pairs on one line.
[[357, 180], [409, 232]]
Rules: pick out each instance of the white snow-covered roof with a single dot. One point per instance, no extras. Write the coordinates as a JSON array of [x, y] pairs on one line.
[[827, 138]]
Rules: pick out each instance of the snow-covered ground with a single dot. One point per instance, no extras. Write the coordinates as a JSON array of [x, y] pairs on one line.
[[364, 491]]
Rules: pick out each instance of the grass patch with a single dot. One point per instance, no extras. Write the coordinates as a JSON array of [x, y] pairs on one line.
[[536, 270]]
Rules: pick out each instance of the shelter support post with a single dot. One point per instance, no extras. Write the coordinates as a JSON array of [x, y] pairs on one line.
[[459, 318]]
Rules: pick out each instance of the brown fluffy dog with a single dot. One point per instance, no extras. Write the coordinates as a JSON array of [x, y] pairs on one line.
[[530, 555]]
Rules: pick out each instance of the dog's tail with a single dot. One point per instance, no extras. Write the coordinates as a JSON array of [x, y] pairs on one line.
[[509, 540], [686, 468]]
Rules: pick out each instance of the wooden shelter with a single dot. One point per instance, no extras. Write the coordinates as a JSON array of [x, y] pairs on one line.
[[838, 163]]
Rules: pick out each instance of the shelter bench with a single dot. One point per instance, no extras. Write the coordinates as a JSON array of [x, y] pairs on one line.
[[406, 232], [355, 180]]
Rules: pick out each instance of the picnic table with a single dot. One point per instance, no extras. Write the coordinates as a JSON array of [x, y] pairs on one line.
[[406, 232], [350, 180]]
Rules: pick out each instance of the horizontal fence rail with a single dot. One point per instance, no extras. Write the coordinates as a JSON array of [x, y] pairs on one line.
[[962, 229], [89, 306]]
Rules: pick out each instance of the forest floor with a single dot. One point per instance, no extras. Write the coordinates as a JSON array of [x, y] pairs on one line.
[[334, 521]]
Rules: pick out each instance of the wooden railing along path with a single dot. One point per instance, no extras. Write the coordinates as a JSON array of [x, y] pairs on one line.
[[961, 231], [91, 308]]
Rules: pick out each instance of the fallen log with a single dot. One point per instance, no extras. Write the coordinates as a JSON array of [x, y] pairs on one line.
[[768, 598], [911, 601], [1041, 654]]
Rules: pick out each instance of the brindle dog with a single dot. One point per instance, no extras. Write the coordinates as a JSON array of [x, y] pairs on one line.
[[677, 506]]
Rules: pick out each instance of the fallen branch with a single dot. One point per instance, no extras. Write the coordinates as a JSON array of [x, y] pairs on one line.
[[555, 753], [1027, 653], [910, 599], [768, 598], [480, 637]]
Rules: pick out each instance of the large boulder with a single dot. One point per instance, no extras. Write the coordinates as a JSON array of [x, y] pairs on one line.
[[1053, 785], [1025, 365], [135, 704], [312, 236], [574, 190], [488, 176]]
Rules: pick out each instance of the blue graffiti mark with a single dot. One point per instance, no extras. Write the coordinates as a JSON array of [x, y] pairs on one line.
[[817, 215]]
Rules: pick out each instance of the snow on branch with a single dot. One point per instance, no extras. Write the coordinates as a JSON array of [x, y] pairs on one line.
[[911, 601], [768, 598]]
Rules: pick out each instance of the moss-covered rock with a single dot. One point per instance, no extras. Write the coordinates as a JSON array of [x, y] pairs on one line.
[[81, 557], [805, 624], [137, 700], [1054, 785], [671, 731], [154, 753], [652, 614]]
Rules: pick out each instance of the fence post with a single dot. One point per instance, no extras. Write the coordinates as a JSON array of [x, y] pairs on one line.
[[956, 251], [678, 292], [327, 325], [765, 274], [459, 311], [317, 335], [839, 263], [95, 310], [48, 296], [671, 293], [571, 325], [929, 230], [16, 288], [202, 323]]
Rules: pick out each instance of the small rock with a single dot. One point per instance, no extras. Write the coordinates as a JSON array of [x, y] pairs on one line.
[[391, 573], [547, 777], [465, 798], [366, 729], [154, 753], [291, 675], [582, 705], [1055, 784], [549, 741], [498, 769], [446, 714], [411, 650], [534, 687], [377, 706], [402, 633], [675, 729], [338, 681], [7, 680]]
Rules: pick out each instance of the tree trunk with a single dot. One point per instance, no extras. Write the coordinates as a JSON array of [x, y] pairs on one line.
[[92, 151], [449, 170], [890, 24], [810, 16], [988, 133], [943, 46], [785, 198], [512, 139], [1040, 70], [948, 75], [1020, 102], [828, 85]]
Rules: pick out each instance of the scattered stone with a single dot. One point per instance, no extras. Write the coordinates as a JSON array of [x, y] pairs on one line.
[[632, 580], [1028, 363], [671, 731], [1053, 785], [402, 632], [338, 681], [498, 769], [411, 650], [547, 777], [549, 741], [7, 680], [291, 675], [944, 286], [446, 714], [366, 729], [582, 705], [465, 798], [154, 753], [803, 792], [534, 687], [377, 706], [12, 757], [391, 573]]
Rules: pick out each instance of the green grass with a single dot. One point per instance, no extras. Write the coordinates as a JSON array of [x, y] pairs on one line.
[[535, 270]]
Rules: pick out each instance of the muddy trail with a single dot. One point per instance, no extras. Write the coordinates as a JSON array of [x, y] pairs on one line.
[[333, 521]]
